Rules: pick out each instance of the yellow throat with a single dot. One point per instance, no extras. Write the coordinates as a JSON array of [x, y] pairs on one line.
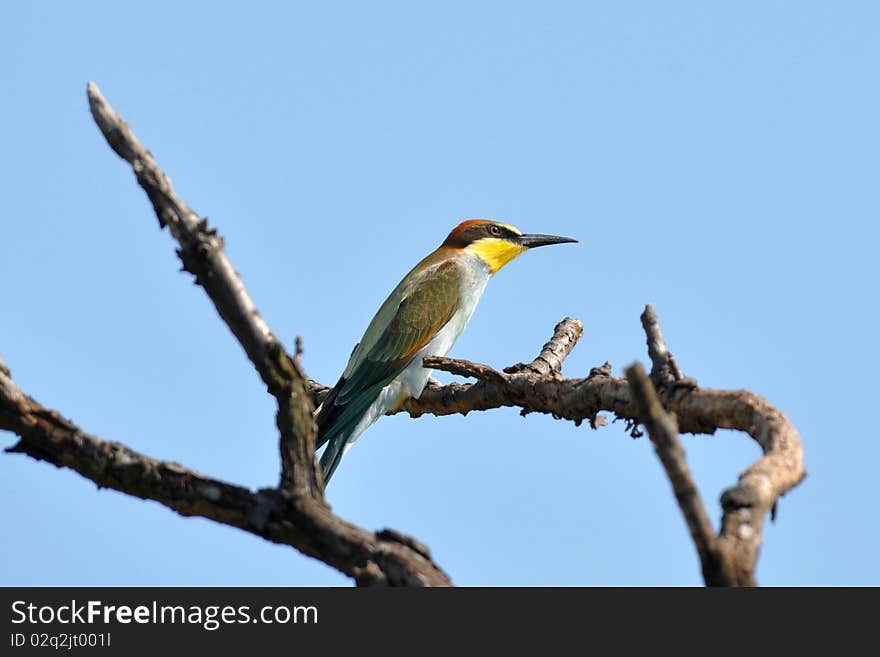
[[496, 252]]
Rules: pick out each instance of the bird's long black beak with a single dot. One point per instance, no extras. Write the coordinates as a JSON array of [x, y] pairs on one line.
[[531, 241]]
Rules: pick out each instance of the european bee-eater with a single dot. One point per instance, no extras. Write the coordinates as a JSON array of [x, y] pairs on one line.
[[423, 316]]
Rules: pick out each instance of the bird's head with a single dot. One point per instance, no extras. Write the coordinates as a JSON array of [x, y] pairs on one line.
[[495, 243]]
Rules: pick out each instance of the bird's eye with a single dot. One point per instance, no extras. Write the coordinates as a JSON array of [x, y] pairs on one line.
[[494, 230]]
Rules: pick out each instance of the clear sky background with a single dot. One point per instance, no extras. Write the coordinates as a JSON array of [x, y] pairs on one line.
[[720, 162]]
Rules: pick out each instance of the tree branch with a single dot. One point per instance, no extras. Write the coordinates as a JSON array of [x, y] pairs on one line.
[[664, 368], [549, 362], [663, 432], [276, 515], [202, 253], [466, 368], [201, 248], [565, 336], [699, 410]]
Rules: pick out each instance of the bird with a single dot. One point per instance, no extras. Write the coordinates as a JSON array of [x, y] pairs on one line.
[[423, 316]]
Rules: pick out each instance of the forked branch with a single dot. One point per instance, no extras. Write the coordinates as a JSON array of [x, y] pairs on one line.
[[203, 255]]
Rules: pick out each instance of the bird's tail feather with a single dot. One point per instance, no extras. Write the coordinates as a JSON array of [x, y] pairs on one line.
[[338, 427], [332, 457], [338, 437]]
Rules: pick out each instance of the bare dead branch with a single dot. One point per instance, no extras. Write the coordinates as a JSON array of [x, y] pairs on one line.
[[202, 253], [201, 248], [664, 369], [518, 386], [758, 489], [567, 398], [565, 336], [746, 504], [663, 432], [277, 515], [466, 368], [698, 410]]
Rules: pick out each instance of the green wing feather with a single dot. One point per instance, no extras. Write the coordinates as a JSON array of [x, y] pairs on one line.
[[396, 334], [422, 312]]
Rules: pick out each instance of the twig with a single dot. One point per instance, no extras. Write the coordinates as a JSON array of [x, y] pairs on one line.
[[664, 369], [466, 368], [565, 336], [663, 432]]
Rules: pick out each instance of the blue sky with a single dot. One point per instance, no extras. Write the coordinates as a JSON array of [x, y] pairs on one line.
[[720, 162]]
